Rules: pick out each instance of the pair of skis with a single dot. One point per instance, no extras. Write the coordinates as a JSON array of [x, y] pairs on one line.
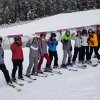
[[84, 66], [52, 72], [16, 84], [15, 87], [68, 67], [81, 66]]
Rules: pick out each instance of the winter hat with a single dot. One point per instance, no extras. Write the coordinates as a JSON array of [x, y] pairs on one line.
[[17, 38], [53, 35], [90, 31]]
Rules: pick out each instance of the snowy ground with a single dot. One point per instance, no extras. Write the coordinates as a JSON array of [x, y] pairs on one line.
[[81, 85]]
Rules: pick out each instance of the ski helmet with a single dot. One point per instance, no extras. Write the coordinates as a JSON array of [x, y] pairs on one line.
[[90, 31], [53, 35]]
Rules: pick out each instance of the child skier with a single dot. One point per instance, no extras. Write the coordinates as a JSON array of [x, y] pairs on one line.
[[17, 58], [2, 65], [43, 54], [77, 47], [33, 56], [84, 47], [52, 44], [66, 42], [93, 44]]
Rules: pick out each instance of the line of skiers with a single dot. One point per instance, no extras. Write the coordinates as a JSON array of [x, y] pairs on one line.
[[85, 43]]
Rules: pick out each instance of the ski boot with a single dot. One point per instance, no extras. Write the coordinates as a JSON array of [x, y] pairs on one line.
[[21, 78], [63, 66], [48, 69]]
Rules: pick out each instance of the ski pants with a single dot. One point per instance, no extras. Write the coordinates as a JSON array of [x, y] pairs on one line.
[[17, 64], [77, 52], [32, 60], [69, 59], [95, 49], [85, 51], [65, 55], [41, 61], [5, 72], [55, 55]]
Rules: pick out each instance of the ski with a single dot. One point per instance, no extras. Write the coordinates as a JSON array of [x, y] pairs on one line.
[[15, 87], [58, 67], [55, 72], [33, 79], [20, 84], [48, 74], [28, 81], [58, 72], [93, 65], [80, 66], [40, 75], [69, 69]]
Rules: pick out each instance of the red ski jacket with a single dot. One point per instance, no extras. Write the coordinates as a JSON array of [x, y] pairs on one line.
[[17, 52]]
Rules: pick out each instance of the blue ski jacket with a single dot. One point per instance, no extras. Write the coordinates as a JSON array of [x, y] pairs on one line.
[[52, 44]]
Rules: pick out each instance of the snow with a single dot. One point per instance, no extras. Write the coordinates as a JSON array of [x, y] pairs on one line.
[[53, 23], [71, 85], [81, 85]]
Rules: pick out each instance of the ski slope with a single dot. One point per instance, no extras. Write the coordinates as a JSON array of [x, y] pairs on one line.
[[71, 85], [53, 23]]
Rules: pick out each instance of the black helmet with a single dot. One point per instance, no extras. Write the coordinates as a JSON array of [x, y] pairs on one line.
[[84, 31], [0, 38], [53, 35], [17, 38], [90, 31]]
